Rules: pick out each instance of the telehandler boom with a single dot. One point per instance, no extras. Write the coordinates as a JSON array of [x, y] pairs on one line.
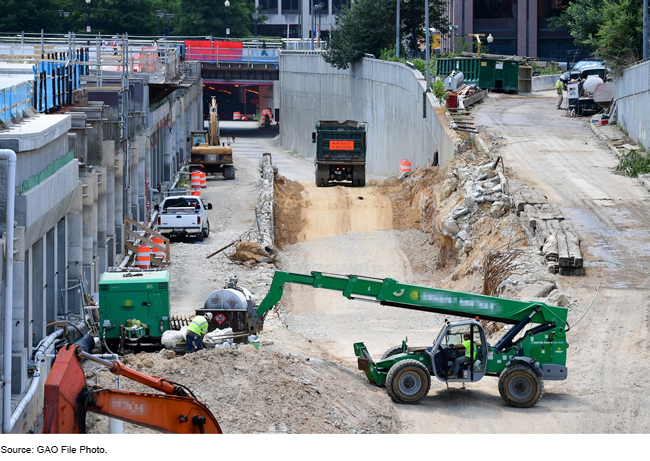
[[522, 362]]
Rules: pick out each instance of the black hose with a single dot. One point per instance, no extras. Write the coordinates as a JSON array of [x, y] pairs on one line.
[[106, 345]]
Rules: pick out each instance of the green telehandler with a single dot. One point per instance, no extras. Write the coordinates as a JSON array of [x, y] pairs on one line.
[[461, 352]]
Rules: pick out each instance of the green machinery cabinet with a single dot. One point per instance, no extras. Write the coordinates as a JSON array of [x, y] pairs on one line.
[[142, 296], [486, 73]]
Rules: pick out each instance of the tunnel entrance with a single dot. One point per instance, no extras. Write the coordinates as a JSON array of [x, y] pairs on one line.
[[249, 99]]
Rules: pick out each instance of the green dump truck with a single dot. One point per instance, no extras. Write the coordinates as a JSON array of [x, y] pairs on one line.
[[340, 152]]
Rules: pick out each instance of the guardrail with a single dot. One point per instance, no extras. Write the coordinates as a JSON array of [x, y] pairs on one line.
[[14, 103]]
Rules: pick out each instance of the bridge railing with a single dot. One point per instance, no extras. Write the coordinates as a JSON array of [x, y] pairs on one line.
[[230, 54]]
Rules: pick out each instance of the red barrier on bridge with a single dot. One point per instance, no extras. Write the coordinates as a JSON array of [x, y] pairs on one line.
[[205, 50]]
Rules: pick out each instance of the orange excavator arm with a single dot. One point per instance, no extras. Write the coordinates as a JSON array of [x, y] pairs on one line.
[[68, 398]]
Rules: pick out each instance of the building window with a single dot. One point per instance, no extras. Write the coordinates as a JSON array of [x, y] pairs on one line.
[[279, 30], [495, 9], [269, 6], [338, 4], [290, 7]]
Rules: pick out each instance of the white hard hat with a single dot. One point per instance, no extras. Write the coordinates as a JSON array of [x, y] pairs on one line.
[[208, 316]]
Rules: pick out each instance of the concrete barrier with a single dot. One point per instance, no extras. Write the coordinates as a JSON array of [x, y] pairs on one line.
[[402, 122], [544, 82], [633, 102]]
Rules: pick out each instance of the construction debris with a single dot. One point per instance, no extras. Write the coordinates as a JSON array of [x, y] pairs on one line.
[[253, 253]]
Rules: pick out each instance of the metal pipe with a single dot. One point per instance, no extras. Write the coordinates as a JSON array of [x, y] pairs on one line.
[[95, 359], [10, 155], [645, 30], [39, 355]]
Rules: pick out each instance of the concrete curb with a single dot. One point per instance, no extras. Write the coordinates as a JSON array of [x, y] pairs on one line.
[[597, 133]]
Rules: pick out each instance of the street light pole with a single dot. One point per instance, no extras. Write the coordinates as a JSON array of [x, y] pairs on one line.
[[170, 16], [60, 19], [159, 14], [227, 5], [397, 28], [256, 17], [88, 21], [427, 44]]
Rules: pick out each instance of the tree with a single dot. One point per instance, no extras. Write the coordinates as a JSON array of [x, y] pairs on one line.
[[412, 17], [29, 16], [582, 19], [208, 17], [368, 26], [619, 40]]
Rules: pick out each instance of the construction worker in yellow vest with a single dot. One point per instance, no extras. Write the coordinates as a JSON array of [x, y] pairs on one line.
[[196, 330], [466, 359], [559, 86]]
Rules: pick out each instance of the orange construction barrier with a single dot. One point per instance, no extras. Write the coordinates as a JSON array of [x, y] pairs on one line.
[[203, 181], [143, 260], [156, 252], [196, 179], [236, 116], [404, 166], [196, 193]]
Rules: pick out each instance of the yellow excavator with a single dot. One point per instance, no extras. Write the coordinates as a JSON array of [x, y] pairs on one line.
[[209, 153]]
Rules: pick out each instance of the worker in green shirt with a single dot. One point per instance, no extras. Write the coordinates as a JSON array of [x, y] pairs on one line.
[[559, 87], [196, 330], [466, 359]]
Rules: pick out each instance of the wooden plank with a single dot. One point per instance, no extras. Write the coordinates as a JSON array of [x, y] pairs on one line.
[[573, 243], [562, 250]]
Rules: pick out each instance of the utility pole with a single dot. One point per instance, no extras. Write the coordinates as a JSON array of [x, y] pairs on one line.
[[311, 24], [427, 44], [645, 30], [397, 28]]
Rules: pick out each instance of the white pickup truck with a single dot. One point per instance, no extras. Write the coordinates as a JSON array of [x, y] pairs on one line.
[[183, 216]]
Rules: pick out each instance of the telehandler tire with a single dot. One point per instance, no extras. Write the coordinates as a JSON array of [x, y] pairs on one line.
[[520, 386], [408, 381], [392, 351]]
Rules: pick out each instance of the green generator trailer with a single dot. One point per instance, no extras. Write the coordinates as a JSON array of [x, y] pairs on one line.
[[133, 307]]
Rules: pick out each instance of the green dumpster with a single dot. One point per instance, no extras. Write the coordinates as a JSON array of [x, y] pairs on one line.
[[486, 73]]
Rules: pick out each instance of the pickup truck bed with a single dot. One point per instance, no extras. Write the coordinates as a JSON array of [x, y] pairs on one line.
[[184, 216]]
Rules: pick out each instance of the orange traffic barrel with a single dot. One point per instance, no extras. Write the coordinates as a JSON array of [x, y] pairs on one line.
[[236, 116], [404, 166], [156, 252], [196, 193], [196, 179], [143, 260], [203, 181]]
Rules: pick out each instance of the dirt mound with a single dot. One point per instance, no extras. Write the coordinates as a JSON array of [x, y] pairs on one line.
[[252, 391], [287, 213]]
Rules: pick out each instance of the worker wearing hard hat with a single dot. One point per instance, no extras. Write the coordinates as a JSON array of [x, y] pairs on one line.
[[559, 86], [196, 330]]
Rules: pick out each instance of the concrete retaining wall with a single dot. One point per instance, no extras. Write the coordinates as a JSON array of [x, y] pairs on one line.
[[544, 82], [633, 102], [389, 96]]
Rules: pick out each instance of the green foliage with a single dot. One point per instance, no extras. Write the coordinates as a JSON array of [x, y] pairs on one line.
[[620, 38], [439, 91], [365, 27], [613, 28], [368, 26], [633, 163], [582, 19], [135, 17], [546, 70]]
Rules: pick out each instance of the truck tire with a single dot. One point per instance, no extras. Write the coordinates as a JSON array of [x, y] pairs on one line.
[[408, 381], [206, 231], [322, 175], [359, 176], [392, 351], [520, 386], [229, 172], [199, 236]]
